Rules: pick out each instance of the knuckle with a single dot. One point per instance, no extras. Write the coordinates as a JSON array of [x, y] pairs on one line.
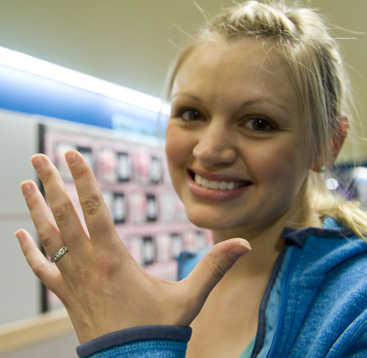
[[40, 269], [108, 265], [61, 211], [216, 269], [46, 176], [79, 171], [91, 205], [45, 239]]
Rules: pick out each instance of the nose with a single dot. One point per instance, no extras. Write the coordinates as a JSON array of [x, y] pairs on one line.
[[214, 147]]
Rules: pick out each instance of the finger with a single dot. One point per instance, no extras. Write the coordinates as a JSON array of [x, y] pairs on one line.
[[213, 266], [42, 268], [48, 233], [96, 213], [61, 206]]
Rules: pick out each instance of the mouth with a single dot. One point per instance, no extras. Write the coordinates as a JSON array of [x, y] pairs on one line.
[[224, 185]]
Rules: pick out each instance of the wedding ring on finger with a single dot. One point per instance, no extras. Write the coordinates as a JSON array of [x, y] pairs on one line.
[[59, 254]]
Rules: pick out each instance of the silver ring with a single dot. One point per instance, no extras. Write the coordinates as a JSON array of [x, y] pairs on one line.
[[59, 254]]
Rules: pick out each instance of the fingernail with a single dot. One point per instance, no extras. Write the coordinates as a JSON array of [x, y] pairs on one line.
[[71, 157], [26, 187], [19, 234], [240, 249], [37, 161]]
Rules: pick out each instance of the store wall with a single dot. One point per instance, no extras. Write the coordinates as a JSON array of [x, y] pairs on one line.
[[348, 24], [19, 288]]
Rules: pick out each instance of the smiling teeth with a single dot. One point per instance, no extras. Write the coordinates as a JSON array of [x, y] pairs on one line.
[[212, 184]]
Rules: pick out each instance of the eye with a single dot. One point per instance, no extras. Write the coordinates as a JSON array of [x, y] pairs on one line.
[[259, 124], [190, 114]]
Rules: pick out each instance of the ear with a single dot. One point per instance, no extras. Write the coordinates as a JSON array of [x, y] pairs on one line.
[[336, 144], [339, 138]]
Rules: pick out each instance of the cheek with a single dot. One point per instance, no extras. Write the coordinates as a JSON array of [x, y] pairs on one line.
[[278, 163], [178, 147]]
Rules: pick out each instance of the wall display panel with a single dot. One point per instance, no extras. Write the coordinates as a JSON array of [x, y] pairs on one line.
[[134, 180]]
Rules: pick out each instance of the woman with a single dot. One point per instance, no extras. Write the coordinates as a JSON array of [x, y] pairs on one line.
[[259, 112]]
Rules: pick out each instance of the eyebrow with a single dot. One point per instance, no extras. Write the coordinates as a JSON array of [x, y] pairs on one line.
[[244, 104], [186, 95], [264, 100]]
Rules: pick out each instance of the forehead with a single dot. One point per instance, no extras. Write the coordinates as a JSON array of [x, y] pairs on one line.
[[248, 66]]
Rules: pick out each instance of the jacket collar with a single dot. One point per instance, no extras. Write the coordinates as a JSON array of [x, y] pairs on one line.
[[330, 228]]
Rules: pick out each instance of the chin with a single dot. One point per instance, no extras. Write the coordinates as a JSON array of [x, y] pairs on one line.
[[212, 222], [201, 221]]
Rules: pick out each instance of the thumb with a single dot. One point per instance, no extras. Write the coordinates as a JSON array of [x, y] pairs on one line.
[[212, 267]]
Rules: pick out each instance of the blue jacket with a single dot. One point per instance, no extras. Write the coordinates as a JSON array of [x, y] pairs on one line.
[[315, 304]]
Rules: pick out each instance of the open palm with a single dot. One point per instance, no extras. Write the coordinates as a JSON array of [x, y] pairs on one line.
[[99, 283]]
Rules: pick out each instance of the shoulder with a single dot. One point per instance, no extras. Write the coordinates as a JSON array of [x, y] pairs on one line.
[[324, 290], [321, 250], [330, 262]]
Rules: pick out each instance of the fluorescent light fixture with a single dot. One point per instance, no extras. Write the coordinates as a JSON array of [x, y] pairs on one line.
[[26, 63]]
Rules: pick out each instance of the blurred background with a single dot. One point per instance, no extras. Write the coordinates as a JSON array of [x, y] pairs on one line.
[[130, 43]]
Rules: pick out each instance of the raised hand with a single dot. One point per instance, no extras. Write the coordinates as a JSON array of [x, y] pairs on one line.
[[95, 277]]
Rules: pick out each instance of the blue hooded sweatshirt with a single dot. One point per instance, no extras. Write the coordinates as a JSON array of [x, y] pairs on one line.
[[315, 304]]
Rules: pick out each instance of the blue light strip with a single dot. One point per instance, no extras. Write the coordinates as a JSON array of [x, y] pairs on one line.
[[26, 92]]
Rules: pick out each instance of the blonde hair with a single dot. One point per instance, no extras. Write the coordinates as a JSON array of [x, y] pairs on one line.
[[301, 37]]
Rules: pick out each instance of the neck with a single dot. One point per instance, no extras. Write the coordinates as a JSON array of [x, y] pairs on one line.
[[266, 243]]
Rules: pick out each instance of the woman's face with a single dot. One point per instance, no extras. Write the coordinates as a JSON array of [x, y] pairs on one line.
[[234, 142]]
